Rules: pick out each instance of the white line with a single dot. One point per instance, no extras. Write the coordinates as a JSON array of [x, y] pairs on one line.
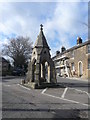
[[81, 91], [7, 85], [24, 87], [66, 99], [44, 90], [63, 95]]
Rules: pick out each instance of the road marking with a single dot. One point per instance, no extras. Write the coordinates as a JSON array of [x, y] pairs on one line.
[[7, 85], [66, 99], [24, 87], [44, 90], [80, 91], [63, 95]]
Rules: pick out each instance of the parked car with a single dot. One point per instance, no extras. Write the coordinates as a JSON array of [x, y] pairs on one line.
[[18, 72]]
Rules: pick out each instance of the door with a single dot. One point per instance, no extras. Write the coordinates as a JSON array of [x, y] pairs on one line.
[[80, 69]]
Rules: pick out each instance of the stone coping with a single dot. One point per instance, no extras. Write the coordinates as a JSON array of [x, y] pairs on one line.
[[33, 85]]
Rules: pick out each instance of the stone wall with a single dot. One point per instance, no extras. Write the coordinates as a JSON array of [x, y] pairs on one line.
[[79, 55]]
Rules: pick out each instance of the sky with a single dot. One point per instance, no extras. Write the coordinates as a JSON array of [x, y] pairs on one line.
[[63, 22]]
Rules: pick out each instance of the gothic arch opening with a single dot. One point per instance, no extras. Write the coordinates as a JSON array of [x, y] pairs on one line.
[[45, 71]]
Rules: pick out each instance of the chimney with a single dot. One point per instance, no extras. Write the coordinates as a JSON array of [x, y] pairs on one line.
[[79, 40], [63, 49], [57, 53]]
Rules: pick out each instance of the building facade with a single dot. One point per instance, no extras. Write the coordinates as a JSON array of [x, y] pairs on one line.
[[5, 66], [74, 62]]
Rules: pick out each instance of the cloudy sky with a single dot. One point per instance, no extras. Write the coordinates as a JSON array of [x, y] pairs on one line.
[[63, 22]]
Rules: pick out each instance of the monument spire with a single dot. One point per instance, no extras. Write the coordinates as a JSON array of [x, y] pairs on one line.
[[41, 27], [41, 41]]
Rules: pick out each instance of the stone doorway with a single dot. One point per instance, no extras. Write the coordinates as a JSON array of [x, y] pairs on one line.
[[80, 69]]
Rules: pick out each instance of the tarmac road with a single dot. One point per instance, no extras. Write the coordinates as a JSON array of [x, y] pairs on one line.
[[81, 84], [21, 102]]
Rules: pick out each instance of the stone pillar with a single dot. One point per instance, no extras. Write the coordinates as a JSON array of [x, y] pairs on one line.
[[37, 74], [30, 76], [33, 73], [29, 73]]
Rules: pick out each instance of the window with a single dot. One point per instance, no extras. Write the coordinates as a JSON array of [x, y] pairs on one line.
[[88, 63], [88, 48], [72, 66]]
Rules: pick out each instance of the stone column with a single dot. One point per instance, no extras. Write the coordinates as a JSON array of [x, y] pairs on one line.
[[33, 76], [37, 74], [29, 73]]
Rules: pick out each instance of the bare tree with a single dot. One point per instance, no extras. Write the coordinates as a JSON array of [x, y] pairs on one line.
[[19, 49]]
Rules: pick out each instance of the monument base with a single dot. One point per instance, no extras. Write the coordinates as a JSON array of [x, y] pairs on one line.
[[41, 86], [31, 85]]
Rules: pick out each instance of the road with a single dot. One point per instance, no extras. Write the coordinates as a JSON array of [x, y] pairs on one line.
[[83, 85], [61, 102]]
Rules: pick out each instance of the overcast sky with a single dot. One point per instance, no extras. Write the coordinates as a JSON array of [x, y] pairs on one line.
[[63, 22]]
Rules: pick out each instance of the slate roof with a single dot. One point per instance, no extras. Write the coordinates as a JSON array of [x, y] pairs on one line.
[[3, 60], [73, 48], [77, 46], [41, 41]]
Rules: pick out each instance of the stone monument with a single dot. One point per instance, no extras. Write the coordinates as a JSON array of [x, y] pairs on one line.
[[41, 69]]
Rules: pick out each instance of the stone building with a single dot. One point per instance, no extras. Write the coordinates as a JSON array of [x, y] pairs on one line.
[[74, 62], [5, 65], [41, 69]]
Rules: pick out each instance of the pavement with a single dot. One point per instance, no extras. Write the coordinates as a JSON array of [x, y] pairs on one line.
[[75, 78], [69, 102]]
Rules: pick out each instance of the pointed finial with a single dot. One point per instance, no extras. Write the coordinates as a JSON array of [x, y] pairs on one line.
[[41, 27]]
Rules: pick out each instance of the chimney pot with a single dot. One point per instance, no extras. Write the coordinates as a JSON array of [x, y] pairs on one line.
[[79, 40], [63, 49]]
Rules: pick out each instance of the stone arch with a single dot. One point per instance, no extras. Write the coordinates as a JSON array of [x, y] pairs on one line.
[[45, 71]]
